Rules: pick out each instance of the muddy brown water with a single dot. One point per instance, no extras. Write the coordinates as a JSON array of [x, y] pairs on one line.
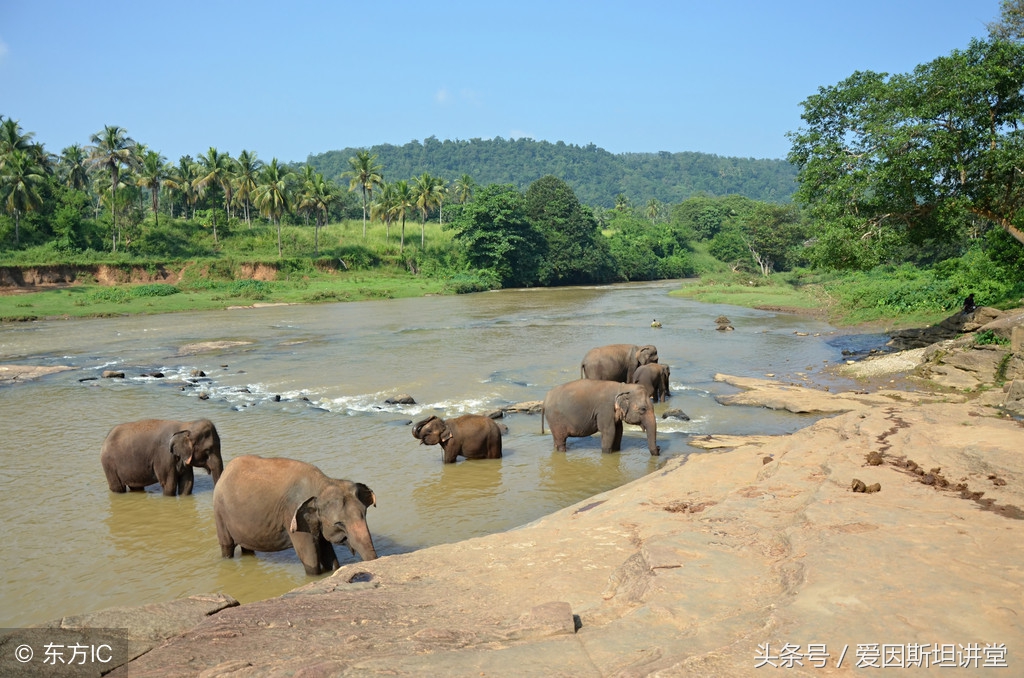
[[309, 382]]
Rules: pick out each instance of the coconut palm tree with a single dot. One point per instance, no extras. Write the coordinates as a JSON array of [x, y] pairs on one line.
[[428, 192], [382, 208], [653, 209], [14, 138], [183, 180], [247, 173], [112, 149], [72, 167], [404, 202], [217, 169], [364, 174], [152, 175], [463, 189], [20, 180], [319, 195], [273, 195]]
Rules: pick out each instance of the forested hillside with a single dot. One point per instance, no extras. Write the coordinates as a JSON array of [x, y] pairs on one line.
[[595, 175]]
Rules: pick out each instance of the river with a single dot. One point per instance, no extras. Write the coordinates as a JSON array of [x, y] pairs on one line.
[[309, 382]]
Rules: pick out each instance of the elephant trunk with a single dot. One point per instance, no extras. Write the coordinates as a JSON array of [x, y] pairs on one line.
[[215, 465], [360, 541], [650, 426]]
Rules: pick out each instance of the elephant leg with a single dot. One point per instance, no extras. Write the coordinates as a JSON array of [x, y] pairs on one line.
[[114, 482], [305, 545], [612, 443], [328, 556], [559, 435], [185, 481]]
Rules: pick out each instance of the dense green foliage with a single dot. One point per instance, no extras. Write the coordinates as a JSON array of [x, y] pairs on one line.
[[595, 175]]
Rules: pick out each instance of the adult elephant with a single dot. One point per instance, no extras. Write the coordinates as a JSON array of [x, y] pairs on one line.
[[141, 453], [472, 436], [272, 504], [616, 362], [654, 378], [588, 406]]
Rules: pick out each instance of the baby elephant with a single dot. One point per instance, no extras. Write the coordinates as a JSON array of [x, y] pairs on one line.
[[142, 453], [472, 436], [654, 378], [274, 504]]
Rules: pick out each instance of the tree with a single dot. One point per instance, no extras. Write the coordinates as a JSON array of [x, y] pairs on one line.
[[905, 158], [247, 170], [273, 195], [21, 178], [769, 233], [463, 189], [71, 165], [383, 208], [152, 175], [112, 149], [14, 138], [364, 173], [428, 193], [317, 196], [403, 202], [575, 253], [218, 169], [184, 179], [498, 235], [1011, 21]]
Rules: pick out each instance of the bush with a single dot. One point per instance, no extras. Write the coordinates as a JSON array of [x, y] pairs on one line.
[[154, 290]]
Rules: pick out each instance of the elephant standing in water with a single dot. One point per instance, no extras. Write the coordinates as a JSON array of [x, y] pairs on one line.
[[472, 436], [150, 451], [587, 406], [616, 362], [654, 378], [272, 504]]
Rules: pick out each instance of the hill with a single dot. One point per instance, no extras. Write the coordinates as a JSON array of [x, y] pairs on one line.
[[595, 175]]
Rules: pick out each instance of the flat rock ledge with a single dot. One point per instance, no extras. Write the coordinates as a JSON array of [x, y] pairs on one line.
[[714, 565]]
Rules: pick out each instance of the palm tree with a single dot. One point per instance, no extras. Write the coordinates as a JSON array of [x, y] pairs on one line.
[[364, 174], [428, 192], [72, 167], [20, 180], [305, 202], [404, 202], [183, 179], [112, 149], [217, 169], [382, 208], [463, 189], [152, 176], [273, 196], [653, 209], [14, 138], [246, 179], [319, 195]]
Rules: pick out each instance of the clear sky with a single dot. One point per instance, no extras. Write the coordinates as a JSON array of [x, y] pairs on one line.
[[286, 79]]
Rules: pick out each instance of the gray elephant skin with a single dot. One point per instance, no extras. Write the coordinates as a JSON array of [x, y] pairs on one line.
[[472, 436], [587, 406], [616, 362], [654, 378], [273, 504], [142, 453]]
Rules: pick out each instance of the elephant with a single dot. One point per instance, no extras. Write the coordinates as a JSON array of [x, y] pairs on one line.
[[141, 453], [654, 378], [273, 503], [616, 362], [585, 406], [472, 436]]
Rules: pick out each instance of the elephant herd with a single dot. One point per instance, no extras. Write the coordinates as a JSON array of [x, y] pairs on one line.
[[272, 504]]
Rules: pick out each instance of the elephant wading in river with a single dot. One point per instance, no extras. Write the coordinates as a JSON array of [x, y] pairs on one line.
[[472, 436], [616, 362], [150, 451], [272, 504], [587, 406], [654, 378]]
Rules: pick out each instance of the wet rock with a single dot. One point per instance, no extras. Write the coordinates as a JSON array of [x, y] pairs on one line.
[[197, 373], [400, 399], [675, 414], [526, 407], [112, 374]]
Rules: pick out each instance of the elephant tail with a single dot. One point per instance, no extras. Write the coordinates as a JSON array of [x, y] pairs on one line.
[[542, 421]]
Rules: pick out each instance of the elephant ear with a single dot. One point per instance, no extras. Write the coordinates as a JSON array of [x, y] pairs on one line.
[[365, 495], [181, 447], [306, 518], [622, 404], [418, 428], [447, 434]]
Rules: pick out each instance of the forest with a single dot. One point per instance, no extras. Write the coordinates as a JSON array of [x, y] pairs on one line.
[[912, 181]]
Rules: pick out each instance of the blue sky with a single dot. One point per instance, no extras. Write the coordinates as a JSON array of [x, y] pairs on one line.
[[286, 79]]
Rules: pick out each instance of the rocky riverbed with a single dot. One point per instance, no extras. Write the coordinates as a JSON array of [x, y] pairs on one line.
[[883, 535]]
